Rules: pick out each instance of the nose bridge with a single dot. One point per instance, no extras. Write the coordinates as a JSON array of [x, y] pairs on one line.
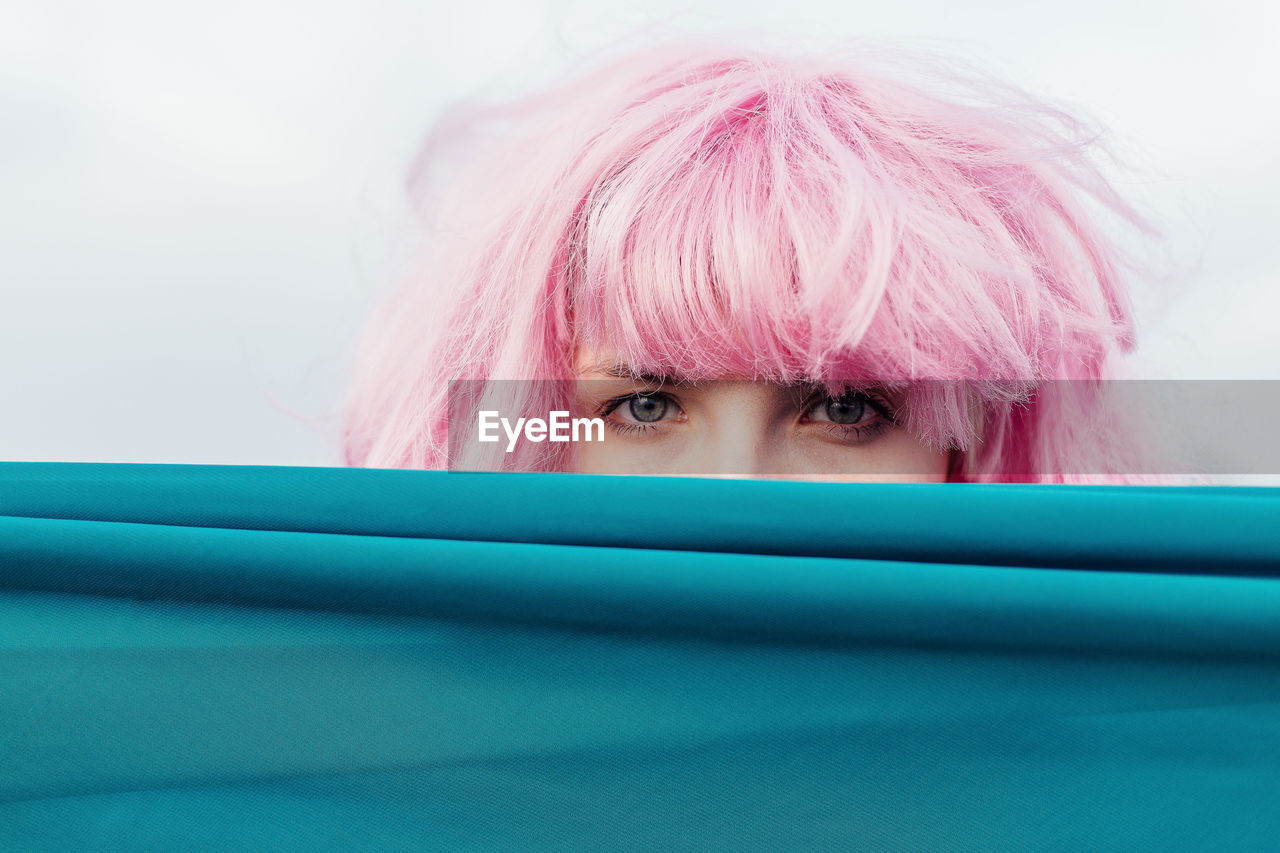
[[736, 442], [734, 453]]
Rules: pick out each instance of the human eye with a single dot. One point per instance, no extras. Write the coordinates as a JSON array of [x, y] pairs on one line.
[[632, 414], [860, 416]]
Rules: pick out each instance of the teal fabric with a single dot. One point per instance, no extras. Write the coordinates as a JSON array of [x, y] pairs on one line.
[[259, 658]]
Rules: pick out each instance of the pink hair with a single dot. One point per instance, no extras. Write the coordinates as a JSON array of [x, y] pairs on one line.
[[707, 212]]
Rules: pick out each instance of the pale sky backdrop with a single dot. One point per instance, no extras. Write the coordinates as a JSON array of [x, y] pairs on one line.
[[200, 201]]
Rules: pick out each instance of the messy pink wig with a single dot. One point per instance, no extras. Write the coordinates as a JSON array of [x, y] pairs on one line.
[[706, 212]]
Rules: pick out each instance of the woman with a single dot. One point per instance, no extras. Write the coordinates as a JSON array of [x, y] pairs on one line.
[[751, 264]]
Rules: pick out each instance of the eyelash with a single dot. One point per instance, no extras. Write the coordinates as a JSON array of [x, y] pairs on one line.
[[626, 428], [877, 403]]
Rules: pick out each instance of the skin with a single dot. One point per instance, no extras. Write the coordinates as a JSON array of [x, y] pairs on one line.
[[735, 427]]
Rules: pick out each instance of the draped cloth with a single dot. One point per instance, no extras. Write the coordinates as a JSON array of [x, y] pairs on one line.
[[274, 658]]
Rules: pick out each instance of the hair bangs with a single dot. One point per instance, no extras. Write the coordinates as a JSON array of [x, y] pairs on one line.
[[777, 235]]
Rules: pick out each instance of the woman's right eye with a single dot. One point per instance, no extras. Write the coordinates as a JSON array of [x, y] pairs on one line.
[[637, 412], [644, 408]]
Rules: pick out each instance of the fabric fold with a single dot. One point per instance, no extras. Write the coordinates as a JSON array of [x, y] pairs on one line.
[[240, 658]]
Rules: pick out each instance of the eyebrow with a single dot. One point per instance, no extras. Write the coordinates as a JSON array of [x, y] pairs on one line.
[[618, 370], [621, 370]]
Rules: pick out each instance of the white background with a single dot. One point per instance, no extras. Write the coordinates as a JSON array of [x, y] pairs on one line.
[[200, 201]]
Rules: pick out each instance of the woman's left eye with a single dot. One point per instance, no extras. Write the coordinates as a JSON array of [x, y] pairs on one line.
[[853, 413]]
